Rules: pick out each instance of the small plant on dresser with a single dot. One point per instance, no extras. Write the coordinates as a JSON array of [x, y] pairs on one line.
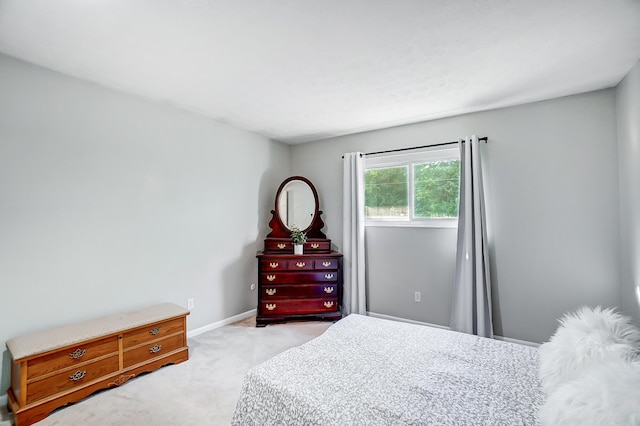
[[298, 236]]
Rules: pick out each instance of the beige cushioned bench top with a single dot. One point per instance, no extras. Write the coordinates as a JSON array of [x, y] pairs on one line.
[[53, 338]]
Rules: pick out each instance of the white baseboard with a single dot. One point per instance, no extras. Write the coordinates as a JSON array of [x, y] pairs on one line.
[[519, 342], [218, 324], [392, 318], [505, 339]]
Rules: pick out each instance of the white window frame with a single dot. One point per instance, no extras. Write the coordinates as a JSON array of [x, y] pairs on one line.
[[409, 159]]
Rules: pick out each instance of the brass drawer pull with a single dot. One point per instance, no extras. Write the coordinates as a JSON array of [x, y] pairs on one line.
[[328, 290], [315, 245], [270, 291], [328, 304], [328, 276], [281, 246], [273, 264], [326, 264], [270, 306], [155, 349], [155, 330], [300, 264], [78, 353], [78, 375], [271, 277]]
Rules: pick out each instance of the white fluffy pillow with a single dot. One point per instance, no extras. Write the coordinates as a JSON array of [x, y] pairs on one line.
[[590, 336], [607, 394]]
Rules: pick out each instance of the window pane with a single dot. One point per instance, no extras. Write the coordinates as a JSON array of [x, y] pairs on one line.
[[386, 192], [436, 189]]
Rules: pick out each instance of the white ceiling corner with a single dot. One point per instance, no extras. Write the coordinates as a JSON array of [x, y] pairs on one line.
[[300, 70]]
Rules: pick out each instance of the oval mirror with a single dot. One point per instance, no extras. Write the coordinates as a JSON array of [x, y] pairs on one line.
[[297, 203]]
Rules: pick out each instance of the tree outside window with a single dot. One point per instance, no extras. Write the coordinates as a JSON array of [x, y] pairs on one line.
[[436, 189], [414, 189], [386, 192]]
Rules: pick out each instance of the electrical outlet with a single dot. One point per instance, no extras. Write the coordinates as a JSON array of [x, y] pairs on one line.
[[252, 287], [417, 296], [190, 304]]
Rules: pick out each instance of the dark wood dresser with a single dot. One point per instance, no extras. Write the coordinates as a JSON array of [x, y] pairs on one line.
[[306, 286], [292, 286]]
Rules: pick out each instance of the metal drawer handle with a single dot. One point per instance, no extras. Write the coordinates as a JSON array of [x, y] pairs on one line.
[[155, 330], [328, 304], [78, 375], [326, 264], [315, 245], [271, 277], [155, 348], [328, 290], [281, 246], [273, 264], [270, 291], [300, 264], [78, 353], [270, 306], [328, 276]]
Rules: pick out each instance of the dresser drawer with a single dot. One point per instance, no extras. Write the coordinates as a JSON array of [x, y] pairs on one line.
[[300, 264], [298, 291], [299, 306], [301, 277], [151, 350], [321, 264], [273, 264], [317, 246], [152, 332], [284, 245], [71, 378], [71, 356]]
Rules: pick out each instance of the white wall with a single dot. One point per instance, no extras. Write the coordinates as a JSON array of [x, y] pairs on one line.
[[628, 112], [109, 203], [552, 189]]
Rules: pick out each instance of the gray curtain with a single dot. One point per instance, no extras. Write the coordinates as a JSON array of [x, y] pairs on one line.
[[354, 294], [471, 305]]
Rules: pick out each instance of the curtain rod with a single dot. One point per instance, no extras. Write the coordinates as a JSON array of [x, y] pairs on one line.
[[482, 139]]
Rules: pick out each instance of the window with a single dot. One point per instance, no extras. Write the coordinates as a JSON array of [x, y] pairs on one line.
[[413, 189]]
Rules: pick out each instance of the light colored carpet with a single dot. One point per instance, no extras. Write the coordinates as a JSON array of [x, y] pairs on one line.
[[201, 391]]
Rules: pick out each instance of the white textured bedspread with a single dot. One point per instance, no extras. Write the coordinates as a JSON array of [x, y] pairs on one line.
[[369, 371]]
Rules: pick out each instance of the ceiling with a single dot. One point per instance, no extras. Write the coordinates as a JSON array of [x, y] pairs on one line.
[[301, 70]]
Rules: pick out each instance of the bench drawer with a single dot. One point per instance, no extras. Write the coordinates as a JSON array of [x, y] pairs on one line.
[[152, 332], [151, 350], [71, 378], [71, 356]]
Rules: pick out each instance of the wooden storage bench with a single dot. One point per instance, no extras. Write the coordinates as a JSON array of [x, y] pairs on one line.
[[58, 366]]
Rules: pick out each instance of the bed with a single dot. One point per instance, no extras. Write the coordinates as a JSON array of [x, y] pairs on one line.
[[371, 371]]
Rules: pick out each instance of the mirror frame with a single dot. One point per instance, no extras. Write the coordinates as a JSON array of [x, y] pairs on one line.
[[280, 230]]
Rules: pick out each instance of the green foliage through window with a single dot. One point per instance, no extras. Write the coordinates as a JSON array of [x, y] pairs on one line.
[[436, 189], [386, 192], [431, 187]]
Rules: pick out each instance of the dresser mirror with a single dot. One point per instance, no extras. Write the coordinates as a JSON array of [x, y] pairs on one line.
[[296, 205]]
